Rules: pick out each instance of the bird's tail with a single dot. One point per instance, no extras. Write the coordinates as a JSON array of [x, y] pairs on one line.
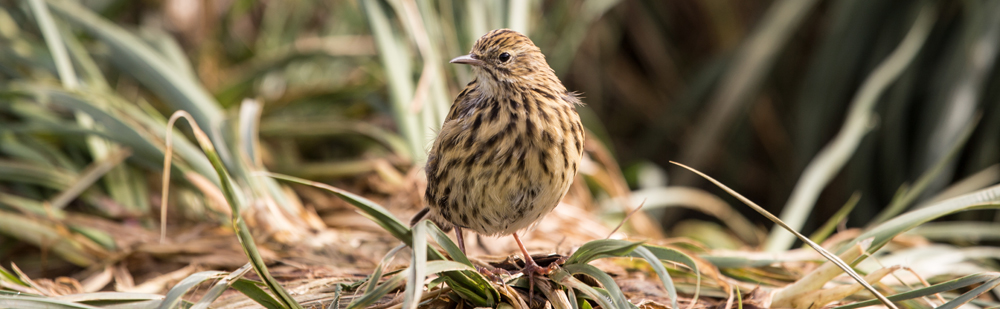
[[420, 216], [434, 217]]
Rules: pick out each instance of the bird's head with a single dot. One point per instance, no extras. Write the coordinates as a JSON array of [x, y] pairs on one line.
[[505, 56]]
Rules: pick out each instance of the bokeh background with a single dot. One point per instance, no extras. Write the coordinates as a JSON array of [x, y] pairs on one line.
[[351, 92]]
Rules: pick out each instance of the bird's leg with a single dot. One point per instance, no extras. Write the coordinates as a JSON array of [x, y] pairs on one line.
[[480, 269], [461, 240], [530, 268]]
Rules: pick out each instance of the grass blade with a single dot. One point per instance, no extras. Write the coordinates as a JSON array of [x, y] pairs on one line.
[[988, 198], [396, 58], [221, 286], [54, 41], [988, 280], [565, 278], [609, 284], [834, 155], [377, 274], [601, 248], [32, 302], [831, 224], [433, 267], [374, 211], [417, 271], [449, 246], [667, 254], [87, 178], [661, 271], [826, 254], [236, 203], [252, 290], [58, 241], [176, 294]]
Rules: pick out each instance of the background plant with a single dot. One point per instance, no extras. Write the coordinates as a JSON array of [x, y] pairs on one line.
[[352, 92]]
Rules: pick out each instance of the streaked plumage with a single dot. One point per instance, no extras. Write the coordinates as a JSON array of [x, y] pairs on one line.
[[510, 147], [512, 142]]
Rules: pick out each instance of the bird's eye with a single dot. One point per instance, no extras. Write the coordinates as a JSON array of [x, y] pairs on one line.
[[504, 57]]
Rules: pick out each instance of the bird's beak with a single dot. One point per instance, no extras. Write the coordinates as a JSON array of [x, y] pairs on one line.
[[467, 59]]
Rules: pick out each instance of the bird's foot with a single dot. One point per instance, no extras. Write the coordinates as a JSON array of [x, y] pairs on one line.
[[490, 274], [531, 270]]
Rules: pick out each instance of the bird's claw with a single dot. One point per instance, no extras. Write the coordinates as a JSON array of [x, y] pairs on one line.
[[531, 270], [489, 273]]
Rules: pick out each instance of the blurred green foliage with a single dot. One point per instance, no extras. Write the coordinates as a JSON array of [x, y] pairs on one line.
[[749, 92]]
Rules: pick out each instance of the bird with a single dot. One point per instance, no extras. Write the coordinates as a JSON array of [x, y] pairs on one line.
[[509, 148]]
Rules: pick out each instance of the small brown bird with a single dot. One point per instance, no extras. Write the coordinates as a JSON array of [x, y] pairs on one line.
[[510, 147]]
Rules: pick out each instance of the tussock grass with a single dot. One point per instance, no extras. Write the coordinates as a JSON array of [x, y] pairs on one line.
[[105, 203]]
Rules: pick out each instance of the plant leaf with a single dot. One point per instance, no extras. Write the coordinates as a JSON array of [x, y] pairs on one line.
[[661, 271], [988, 280], [601, 248], [565, 278], [609, 284], [252, 290], [221, 286]]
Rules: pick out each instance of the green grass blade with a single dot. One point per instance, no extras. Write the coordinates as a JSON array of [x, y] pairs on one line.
[[165, 44], [573, 301], [221, 286], [377, 293], [661, 271], [396, 59], [32, 302], [566, 279], [109, 297], [988, 280], [176, 294], [377, 274], [252, 290], [89, 176], [90, 72], [116, 300], [831, 224], [449, 246], [436, 267], [374, 211], [6, 275], [54, 41], [964, 231], [602, 248], [988, 198], [236, 203], [609, 284], [667, 254], [30, 206], [416, 274], [971, 295], [432, 267], [46, 236], [26, 172], [472, 286]]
